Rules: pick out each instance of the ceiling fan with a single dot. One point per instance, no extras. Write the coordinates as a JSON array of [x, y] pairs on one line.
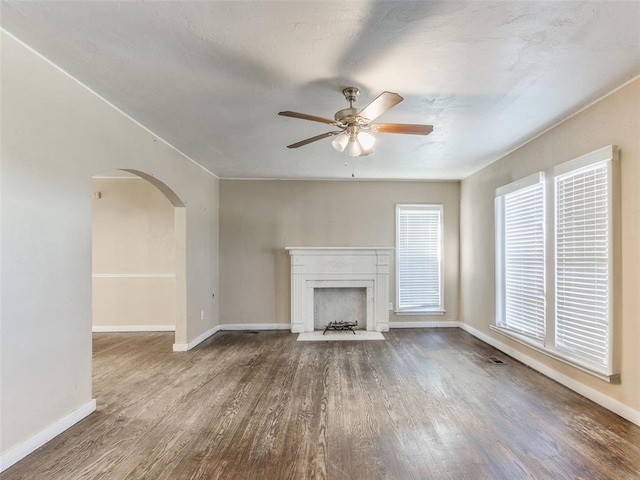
[[354, 125]]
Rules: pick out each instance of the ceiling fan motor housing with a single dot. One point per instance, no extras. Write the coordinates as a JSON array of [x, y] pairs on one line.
[[347, 116]]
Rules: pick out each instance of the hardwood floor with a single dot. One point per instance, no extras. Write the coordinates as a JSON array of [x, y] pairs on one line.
[[425, 404]]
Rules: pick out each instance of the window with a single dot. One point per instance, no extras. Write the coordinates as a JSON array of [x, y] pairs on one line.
[[582, 262], [419, 258], [554, 261], [521, 305]]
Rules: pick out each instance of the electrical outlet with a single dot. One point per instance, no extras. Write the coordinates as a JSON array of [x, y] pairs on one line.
[[201, 314], [390, 306]]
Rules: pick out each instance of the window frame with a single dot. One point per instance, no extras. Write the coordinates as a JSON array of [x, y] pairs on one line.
[[608, 155], [435, 310]]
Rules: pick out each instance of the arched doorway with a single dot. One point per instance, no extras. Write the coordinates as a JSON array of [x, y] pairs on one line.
[[139, 257]]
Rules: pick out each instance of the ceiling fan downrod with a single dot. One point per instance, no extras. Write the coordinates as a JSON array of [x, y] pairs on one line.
[[351, 94]]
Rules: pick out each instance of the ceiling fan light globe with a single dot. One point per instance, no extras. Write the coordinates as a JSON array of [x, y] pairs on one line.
[[366, 140], [340, 142], [354, 149]]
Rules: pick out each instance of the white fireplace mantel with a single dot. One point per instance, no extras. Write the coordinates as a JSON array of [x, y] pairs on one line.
[[339, 267]]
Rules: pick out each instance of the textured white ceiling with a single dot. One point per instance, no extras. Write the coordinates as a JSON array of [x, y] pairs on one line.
[[210, 77]]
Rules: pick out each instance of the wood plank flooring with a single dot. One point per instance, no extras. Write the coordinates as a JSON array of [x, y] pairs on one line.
[[424, 404]]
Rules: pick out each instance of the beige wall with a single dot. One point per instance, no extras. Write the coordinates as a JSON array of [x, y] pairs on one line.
[[55, 136], [614, 120], [134, 261], [258, 219]]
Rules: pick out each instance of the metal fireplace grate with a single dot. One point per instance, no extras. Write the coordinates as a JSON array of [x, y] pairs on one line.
[[337, 326]]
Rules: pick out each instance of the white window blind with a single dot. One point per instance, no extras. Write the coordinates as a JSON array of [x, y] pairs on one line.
[[554, 261], [524, 287], [582, 263], [419, 257]]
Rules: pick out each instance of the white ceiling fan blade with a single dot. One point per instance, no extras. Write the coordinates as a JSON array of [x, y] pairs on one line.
[[384, 102]]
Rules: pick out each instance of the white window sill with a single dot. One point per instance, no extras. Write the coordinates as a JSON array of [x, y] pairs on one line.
[[424, 313], [560, 356]]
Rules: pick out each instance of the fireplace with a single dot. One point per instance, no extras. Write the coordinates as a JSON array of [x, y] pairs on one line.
[[339, 305], [349, 267]]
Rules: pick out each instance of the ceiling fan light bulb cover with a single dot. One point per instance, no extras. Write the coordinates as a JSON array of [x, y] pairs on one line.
[[354, 149], [340, 142], [366, 140]]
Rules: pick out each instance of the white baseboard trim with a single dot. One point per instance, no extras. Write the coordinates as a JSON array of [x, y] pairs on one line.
[[133, 328], [256, 326], [183, 347], [436, 324], [30, 445], [603, 400]]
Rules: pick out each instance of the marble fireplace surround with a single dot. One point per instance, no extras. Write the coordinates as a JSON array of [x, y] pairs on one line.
[[339, 267]]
